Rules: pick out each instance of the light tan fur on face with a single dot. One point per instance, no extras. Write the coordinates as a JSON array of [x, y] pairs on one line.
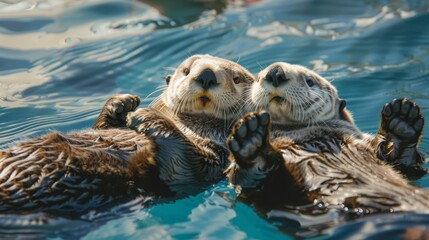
[[183, 94], [294, 101]]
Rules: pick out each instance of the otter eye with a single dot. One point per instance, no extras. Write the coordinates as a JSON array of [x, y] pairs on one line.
[[167, 79], [309, 82], [237, 80], [186, 71]]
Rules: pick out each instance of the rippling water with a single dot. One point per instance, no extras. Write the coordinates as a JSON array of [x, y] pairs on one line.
[[60, 60]]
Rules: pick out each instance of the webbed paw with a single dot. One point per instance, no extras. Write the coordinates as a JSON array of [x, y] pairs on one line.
[[120, 105], [249, 137], [401, 128], [402, 121], [115, 111]]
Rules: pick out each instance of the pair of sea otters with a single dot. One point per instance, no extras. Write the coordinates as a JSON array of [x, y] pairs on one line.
[[303, 147]]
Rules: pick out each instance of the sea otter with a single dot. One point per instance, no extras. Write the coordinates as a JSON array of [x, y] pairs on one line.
[[299, 150], [179, 139]]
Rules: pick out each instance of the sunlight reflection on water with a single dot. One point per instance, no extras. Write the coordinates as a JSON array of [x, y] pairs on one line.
[[60, 60]]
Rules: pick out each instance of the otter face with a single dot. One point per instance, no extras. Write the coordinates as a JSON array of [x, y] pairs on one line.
[[204, 84], [293, 94]]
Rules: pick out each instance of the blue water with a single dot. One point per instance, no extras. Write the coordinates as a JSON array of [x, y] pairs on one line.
[[60, 60]]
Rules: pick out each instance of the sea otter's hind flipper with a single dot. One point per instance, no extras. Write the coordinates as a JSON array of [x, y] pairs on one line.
[[115, 110], [401, 127]]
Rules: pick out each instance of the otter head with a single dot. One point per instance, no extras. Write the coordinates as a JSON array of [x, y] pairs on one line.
[[203, 84], [293, 94]]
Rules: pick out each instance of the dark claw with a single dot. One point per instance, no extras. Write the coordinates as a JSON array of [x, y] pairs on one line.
[[264, 118], [233, 145], [406, 105], [387, 110], [242, 130], [414, 112], [396, 105], [252, 123]]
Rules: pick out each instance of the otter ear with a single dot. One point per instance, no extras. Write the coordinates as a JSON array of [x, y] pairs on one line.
[[167, 79], [344, 113], [342, 104]]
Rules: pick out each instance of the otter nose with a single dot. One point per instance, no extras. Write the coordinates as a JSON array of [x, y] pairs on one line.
[[207, 79], [276, 76]]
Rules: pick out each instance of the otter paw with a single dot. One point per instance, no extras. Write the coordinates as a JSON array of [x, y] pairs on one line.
[[249, 137], [120, 105], [402, 121]]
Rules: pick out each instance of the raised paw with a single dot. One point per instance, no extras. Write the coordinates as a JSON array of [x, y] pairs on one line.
[[249, 137], [401, 127], [120, 105], [115, 110], [402, 121]]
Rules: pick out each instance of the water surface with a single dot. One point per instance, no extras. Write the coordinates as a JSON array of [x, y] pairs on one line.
[[60, 60]]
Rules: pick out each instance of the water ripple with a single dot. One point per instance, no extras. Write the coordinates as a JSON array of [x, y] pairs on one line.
[[82, 52]]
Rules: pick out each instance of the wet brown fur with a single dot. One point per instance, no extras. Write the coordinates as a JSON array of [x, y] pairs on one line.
[[332, 166], [130, 153], [64, 170], [330, 161]]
